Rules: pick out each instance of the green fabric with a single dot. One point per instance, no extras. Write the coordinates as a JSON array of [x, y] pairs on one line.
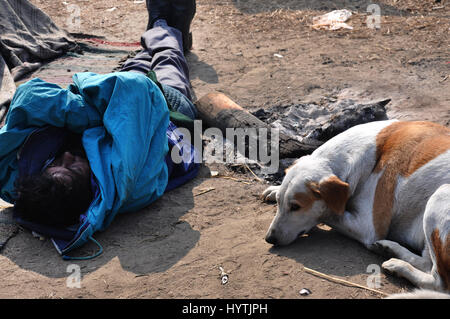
[[178, 118]]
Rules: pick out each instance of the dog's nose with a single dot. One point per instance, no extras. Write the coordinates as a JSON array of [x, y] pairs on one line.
[[271, 238]]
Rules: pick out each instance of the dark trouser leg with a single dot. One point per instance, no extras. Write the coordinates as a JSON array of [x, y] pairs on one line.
[[163, 53]]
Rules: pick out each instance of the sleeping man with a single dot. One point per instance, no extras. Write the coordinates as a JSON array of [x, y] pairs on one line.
[[71, 159]]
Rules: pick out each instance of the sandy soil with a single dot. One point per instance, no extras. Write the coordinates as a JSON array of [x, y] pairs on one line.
[[173, 249]]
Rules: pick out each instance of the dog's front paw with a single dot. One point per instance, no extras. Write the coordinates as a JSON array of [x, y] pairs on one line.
[[270, 194], [384, 248], [394, 266]]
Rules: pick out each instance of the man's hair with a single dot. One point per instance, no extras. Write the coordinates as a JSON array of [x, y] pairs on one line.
[[47, 200]]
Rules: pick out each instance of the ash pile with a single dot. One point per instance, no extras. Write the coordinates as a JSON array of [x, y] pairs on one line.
[[313, 125], [301, 129]]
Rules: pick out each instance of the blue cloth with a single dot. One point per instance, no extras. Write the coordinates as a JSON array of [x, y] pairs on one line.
[[123, 119], [187, 168]]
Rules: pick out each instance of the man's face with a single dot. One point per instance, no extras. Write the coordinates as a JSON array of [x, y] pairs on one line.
[[70, 168]]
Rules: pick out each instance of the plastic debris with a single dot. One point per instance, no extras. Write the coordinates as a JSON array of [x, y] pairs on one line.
[[333, 20], [111, 9], [223, 276], [214, 173], [305, 292], [278, 55]]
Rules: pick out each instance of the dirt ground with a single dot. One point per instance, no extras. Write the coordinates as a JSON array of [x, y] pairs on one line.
[[174, 248]]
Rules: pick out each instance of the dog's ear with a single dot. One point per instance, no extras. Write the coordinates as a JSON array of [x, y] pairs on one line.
[[333, 191]]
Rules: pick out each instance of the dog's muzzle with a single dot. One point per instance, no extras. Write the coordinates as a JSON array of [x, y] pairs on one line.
[[271, 237]]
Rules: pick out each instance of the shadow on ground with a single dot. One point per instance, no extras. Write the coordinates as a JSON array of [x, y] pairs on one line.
[[148, 241], [201, 70], [326, 251]]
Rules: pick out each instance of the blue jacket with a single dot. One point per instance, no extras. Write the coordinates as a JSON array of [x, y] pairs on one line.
[[124, 121]]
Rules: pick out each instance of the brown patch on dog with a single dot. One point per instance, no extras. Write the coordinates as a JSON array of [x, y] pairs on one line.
[[305, 200], [442, 253], [402, 148], [333, 191], [335, 194]]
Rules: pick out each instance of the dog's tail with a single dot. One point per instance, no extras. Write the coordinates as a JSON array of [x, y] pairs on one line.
[[420, 294]]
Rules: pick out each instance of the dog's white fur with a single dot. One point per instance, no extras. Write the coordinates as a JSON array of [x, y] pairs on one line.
[[421, 205], [420, 294]]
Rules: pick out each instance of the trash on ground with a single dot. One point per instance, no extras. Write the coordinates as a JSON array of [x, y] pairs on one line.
[[305, 292], [214, 173], [223, 276], [333, 20]]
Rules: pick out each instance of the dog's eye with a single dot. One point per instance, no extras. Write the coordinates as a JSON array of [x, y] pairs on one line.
[[294, 207]]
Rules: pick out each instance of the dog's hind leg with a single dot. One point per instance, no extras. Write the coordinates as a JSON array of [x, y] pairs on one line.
[[437, 234], [436, 222], [394, 249]]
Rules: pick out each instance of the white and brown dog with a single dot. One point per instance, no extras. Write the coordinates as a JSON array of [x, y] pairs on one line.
[[385, 184]]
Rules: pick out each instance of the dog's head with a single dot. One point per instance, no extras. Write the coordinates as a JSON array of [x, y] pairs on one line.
[[308, 192]]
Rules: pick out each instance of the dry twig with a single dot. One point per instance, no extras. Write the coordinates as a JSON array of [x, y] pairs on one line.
[[259, 179], [205, 191], [341, 281], [234, 179]]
